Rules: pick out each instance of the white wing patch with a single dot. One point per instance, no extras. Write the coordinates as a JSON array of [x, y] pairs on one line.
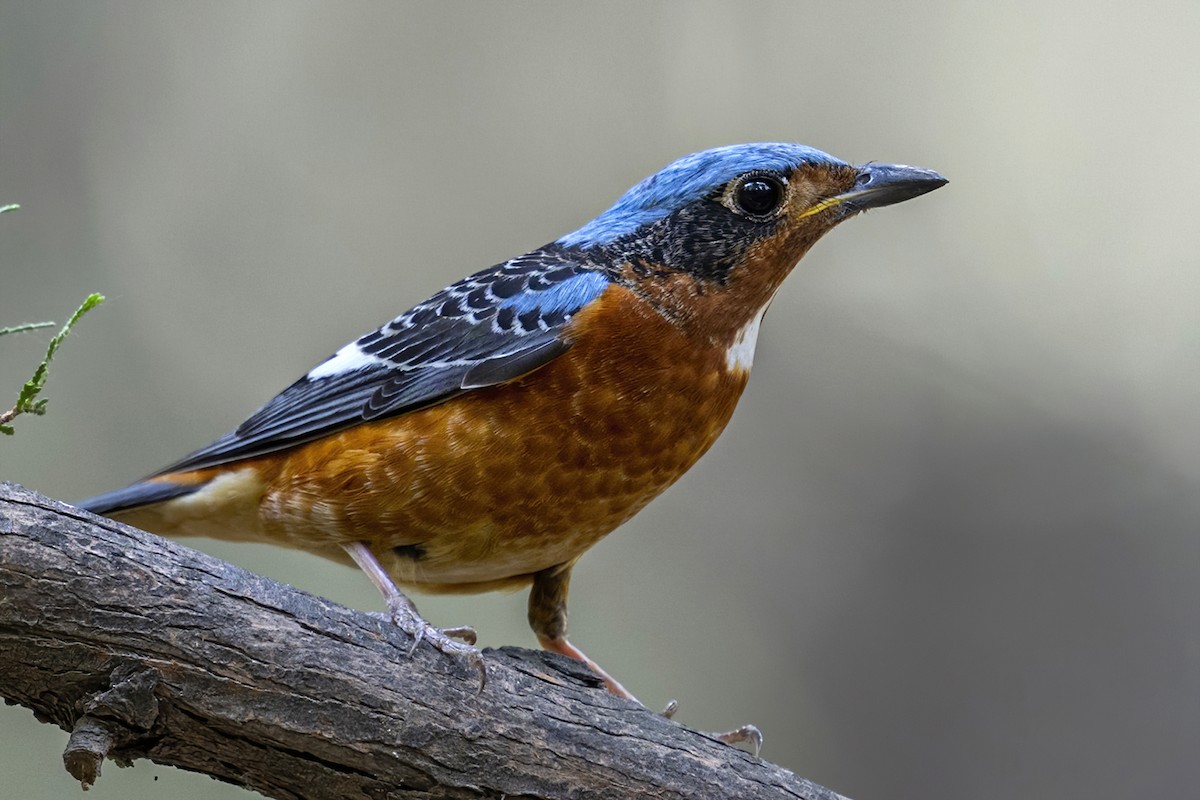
[[740, 355], [348, 359]]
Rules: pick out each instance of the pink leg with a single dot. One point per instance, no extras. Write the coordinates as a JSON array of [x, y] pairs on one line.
[[564, 647], [548, 618]]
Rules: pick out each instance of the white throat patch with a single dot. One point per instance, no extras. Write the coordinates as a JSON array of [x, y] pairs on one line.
[[740, 355]]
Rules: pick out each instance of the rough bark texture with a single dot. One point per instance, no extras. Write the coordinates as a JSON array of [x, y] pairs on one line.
[[143, 648]]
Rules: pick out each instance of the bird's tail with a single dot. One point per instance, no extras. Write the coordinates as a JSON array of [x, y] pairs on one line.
[[221, 503], [139, 494]]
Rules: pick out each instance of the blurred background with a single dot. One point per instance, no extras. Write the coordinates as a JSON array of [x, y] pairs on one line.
[[948, 546]]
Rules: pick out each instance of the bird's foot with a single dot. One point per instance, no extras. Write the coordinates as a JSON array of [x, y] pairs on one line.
[[746, 733], [559, 644], [404, 615]]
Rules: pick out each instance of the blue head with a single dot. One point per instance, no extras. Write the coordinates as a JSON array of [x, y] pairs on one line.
[[692, 178], [724, 227]]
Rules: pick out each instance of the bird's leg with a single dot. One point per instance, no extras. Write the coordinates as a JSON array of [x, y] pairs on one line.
[[548, 618], [404, 614]]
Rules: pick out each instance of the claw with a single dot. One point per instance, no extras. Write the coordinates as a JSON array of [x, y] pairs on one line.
[[422, 631], [464, 633], [417, 635], [746, 733], [475, 659]]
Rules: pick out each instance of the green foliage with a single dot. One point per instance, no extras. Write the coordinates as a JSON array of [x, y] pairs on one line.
[[27, 402]]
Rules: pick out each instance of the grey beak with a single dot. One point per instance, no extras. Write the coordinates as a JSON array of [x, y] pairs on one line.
[[885, 184]]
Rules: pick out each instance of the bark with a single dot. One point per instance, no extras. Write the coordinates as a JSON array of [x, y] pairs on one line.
[[143, 648]]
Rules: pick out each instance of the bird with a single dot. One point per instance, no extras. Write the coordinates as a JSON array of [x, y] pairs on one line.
[[489, 436]]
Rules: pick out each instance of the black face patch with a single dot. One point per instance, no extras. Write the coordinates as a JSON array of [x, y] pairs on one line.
[[704, 239]]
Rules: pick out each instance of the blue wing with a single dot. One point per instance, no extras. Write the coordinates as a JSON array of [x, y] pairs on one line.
[[489, 328]]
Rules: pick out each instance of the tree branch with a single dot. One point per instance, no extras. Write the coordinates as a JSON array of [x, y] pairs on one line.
[[143, 648]]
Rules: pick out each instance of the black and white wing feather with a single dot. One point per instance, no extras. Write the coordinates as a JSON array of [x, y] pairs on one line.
[[492, 327]]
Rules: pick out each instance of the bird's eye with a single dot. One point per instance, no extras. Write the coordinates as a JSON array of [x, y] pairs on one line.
[[758, 195]]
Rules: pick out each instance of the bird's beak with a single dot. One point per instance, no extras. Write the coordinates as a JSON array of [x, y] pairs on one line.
[[884, 184], [880, 185]]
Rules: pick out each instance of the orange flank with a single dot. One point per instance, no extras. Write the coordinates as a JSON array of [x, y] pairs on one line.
[[484, 490]]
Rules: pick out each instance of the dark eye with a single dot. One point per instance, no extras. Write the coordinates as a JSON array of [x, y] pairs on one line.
[[758, 195]]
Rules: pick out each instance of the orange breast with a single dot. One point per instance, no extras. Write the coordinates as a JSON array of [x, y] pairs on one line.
[[483, 490]]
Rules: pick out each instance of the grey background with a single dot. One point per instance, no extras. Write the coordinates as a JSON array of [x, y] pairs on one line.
[[948, 546]]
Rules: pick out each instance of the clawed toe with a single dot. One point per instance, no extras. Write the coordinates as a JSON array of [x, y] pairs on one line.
[[464, 633], [443, 643], [404, 617], [746, 733]]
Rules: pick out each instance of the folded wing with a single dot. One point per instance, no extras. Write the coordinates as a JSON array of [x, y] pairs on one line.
[[490, 328]]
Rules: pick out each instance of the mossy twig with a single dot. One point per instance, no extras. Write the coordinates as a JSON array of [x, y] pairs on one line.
[[26, 400]]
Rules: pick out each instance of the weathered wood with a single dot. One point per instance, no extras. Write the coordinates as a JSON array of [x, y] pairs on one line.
[[145, 648]]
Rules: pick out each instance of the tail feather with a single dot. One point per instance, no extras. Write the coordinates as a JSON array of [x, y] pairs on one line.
[[135, 495]]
